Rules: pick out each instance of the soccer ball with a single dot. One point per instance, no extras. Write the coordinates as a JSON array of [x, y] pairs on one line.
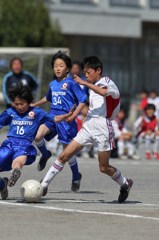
[[31, 191]]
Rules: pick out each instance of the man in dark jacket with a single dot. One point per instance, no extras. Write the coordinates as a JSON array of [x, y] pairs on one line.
[[15, 77]]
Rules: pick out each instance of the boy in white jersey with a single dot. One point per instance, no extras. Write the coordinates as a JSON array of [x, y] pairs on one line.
[[97, 130]]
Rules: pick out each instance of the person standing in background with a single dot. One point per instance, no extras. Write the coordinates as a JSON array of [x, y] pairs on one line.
[[15, 77]]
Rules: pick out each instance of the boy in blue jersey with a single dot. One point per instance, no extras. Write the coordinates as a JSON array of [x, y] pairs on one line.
[[23, 120], [63, 93]]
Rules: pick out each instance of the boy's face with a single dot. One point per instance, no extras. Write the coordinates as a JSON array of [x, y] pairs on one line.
[[92, 75], [60, 69], [153, 95], [150, 113], [21, 105], [75, 70], [121, 115]]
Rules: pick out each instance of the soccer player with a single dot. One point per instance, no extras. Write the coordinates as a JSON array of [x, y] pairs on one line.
[[97, 129], [63, 93], [17, 150], [123, 137], [147, 131]]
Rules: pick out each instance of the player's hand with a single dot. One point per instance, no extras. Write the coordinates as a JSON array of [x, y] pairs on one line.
[[70, 116], [64, 117], [32, 105], [73, 109], [70, 119], [78, 80]]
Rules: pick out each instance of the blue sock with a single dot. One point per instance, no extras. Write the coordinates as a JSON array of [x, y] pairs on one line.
[[42, 148], [74, 168], [2, 184]]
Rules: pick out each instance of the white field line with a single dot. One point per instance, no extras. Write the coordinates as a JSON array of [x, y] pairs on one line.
[[79, 211]]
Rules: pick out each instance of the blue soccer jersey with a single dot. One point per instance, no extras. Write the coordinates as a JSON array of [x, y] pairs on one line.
[[64, 94], [24, 126], [22, 131]]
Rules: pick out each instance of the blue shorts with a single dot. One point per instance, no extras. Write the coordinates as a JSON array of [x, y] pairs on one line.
[[14, 147], [65, 131]]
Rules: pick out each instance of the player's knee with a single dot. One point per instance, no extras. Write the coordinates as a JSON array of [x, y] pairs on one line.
[[38, 138], [63, 157]]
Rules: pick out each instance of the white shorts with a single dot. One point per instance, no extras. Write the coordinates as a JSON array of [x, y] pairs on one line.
[[98, 132]]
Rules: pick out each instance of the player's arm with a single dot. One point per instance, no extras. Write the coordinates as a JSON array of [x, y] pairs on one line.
[[101, 91], [76, 112], [5, 119], [60, 118], [40, 102]]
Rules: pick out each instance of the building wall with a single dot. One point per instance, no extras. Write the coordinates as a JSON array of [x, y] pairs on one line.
[[123, 33]]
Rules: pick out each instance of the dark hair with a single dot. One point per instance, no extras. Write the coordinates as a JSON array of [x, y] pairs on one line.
[[144, 91], [150, 106], [22, 92], [76, 63], [92, 62], [153, 91], [14, 59], [64, 57]]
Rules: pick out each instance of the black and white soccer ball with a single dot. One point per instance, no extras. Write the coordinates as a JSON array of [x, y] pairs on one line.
[[31, 191]]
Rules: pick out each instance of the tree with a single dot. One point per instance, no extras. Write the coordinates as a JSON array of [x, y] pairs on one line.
[[26, 23]]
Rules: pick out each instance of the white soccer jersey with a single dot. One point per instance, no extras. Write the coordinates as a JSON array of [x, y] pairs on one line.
[[107, 106], [155, 101], [117, 131]]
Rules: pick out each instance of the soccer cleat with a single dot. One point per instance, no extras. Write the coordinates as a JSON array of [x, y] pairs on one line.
[[76, 184], [124, 191], [42, 162], [45, 189], [156, 155], [14, 177], [148, 155], [4, 191]]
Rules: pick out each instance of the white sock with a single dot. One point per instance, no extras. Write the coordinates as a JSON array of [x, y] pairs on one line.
[[52, 172], [130, 147], [156, 144], [148, 143], [117, 177], [121, 146]]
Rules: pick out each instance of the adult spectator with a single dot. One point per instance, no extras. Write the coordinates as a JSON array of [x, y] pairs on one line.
[[15, 77]]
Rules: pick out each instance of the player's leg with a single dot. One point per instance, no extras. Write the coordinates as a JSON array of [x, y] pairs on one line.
[[59, 163], [17, 165], [121, 147], [104, 139], [148, 143], [5, 165], [156, 146], [40, 143], [115, 174], [76, 175], [66, 132]]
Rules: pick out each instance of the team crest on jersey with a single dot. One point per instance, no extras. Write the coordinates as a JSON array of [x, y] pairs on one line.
[[31, 114], [64, 86], [24, 82]]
